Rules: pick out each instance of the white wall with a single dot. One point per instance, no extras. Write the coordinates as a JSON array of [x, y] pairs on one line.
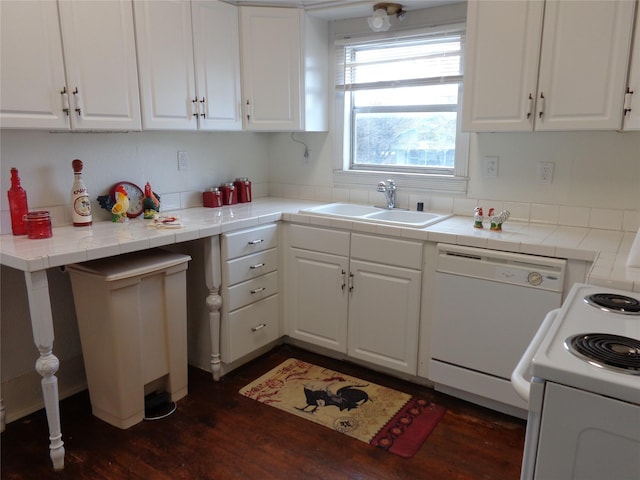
[[593, 172], [44, 162]]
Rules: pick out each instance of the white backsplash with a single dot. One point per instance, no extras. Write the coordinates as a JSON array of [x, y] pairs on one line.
[[596, 178]]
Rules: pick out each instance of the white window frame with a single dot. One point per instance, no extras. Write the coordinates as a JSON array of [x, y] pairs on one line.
[[344, 176]]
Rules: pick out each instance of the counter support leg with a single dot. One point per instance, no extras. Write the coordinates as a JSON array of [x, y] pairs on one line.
[[213, 280], [47, 365], [214, 302]]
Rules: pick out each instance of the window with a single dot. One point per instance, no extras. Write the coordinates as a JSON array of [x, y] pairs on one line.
[[398, 103]]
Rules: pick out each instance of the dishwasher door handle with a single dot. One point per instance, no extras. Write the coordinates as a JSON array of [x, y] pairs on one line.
[[520, 382]]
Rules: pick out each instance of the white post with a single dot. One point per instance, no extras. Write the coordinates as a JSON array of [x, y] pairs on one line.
[[47, 365], [214, 300]]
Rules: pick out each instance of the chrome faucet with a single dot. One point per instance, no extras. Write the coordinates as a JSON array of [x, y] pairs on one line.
[[389, 190]]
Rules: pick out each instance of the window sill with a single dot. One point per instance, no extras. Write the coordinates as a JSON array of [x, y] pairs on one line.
[[435, 183]]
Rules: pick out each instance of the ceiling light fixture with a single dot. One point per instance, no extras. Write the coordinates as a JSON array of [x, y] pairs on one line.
[[379, 21]]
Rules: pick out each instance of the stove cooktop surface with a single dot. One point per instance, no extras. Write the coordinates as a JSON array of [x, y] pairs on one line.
[[584, 328]]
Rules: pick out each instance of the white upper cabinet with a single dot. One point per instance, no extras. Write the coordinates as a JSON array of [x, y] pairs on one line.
[[98, 90], [284, 70], [579, 82], [632, 96], [179, 93], [165, 64], [216, 46]]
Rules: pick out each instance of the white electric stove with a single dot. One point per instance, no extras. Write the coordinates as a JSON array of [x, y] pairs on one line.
[[584, 388]]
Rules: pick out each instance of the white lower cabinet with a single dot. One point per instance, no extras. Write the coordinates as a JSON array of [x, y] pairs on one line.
[[250, 304], [318, 298], [356, 294], [384, 309]]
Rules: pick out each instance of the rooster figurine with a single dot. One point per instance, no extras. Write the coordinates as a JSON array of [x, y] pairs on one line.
[[478, 217], [498, 220], [151, 202], [119, 209]]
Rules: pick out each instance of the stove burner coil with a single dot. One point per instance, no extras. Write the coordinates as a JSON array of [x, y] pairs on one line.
[[614, 352], [614, 303]]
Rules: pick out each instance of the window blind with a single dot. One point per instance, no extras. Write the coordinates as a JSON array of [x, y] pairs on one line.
[[427, 59]]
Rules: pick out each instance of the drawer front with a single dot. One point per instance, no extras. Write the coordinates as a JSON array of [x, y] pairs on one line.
[[246, 242], [249, 328], [391, 251], [245, 268], [323, 240], [251, 291]]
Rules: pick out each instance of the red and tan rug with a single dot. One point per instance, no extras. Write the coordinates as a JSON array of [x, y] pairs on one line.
[[380, 416]]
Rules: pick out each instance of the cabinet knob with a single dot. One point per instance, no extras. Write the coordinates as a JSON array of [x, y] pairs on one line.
[[258, 327], [257, 265], [257, 290], [541, 112], [255, 242]]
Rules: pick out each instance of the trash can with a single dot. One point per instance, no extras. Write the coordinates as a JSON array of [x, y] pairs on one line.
[[132, 313]]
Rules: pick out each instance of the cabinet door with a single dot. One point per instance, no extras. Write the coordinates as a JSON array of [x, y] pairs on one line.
[[217, 62], [317, 296], [501, 65], [100, 60], [165, 60], [270, 43], [632, 98], [384, 311], [32, 66], [583, 65]]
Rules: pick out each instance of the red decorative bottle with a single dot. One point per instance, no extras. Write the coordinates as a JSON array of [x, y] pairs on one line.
[[80, 203], [17, 204]]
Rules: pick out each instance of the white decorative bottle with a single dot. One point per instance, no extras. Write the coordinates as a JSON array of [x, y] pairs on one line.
[[80, 202]]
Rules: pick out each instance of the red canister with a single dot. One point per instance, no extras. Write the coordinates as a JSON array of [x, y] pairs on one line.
[[212, 198], [243, 188], [228, 191], [38, 224]]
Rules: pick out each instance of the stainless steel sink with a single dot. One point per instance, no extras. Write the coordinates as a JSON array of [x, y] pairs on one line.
[[366, 213]]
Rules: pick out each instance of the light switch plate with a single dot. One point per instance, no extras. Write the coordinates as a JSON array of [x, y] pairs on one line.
[[490, 166]]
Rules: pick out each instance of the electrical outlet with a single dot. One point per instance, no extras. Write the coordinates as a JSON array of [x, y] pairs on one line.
[[490, 166], [183, 161], [545, 173]]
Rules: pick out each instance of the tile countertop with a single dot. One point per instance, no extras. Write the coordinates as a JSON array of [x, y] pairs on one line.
[[608, 249]]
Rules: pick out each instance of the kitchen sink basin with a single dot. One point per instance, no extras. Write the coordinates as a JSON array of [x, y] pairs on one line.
[[366, 213], [407, 217]]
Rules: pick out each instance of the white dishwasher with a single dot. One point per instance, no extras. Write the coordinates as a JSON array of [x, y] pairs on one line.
[[487, 307]]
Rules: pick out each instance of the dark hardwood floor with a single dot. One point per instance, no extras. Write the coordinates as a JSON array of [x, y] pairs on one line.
[[218, 434]]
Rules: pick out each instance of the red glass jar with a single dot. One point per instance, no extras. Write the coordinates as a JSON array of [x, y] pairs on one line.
[[38, 224], [212, 198], [228, 191], [243, 189]]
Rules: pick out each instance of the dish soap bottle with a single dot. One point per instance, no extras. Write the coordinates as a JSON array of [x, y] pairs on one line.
[[17, 204], [80, 203]]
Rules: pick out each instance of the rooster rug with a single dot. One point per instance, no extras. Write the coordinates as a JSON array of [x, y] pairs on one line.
[[380, 416]]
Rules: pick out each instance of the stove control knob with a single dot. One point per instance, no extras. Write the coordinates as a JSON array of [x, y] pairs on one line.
[[534, 279]]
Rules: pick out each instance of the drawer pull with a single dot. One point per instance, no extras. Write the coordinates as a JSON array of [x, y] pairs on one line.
[[255, 242], [258, 290], [259, 327], [257, 265]]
